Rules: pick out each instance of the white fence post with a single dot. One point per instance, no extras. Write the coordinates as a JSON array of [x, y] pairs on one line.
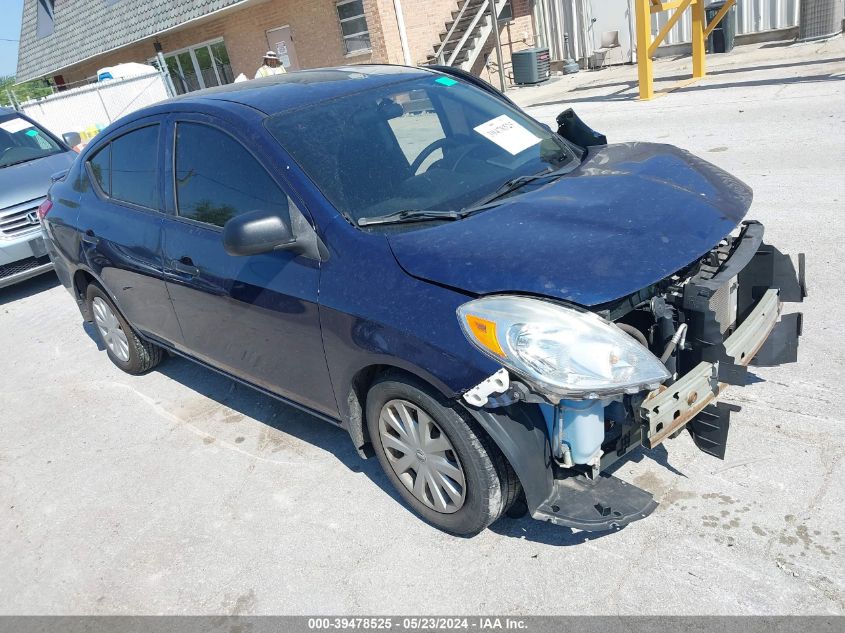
[[103, 103]]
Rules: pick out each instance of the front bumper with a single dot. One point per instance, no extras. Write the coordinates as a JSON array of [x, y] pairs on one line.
[[672, 408], [755, 279], [605, 502]]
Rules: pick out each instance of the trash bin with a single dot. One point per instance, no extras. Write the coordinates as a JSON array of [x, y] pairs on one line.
[[721, 39]]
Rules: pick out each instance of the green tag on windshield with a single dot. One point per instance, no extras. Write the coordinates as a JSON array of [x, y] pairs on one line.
[[32, 132], [446, 81]]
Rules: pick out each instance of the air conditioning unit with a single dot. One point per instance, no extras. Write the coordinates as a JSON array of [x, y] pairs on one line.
[[531, 66], [819, 19]]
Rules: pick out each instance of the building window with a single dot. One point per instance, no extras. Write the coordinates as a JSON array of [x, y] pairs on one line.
[[202, 66], [506, 15], [353, 25], [44, 18]]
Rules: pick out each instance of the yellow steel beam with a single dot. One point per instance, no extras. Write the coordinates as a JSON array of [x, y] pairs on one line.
[[673, 19], [698, 50], [718, 17], [647, 46], [659, 7], [645, 69]]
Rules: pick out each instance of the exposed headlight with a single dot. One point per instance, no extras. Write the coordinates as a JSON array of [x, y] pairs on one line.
[[561, 351]]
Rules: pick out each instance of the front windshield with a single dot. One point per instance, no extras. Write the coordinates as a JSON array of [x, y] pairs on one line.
[[425, 144], [22, 141]]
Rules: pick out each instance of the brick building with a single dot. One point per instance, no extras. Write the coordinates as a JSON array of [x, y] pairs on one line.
[[210, 42]]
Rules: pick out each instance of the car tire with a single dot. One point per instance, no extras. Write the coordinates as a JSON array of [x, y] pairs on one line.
[[124, 347], [485, 486]]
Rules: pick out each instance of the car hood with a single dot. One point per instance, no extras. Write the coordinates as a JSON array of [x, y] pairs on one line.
[[630, 215], [30, 180]]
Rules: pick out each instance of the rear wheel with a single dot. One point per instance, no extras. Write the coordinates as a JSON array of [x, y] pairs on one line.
[[123, 346], [442, 464]]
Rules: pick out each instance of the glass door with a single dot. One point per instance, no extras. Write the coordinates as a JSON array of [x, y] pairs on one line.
[[176, 75], [200, 67], [189, 71], [207, 71], [221, 61]]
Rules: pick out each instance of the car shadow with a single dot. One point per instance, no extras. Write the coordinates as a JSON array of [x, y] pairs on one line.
[[272, 413], [626, 89], [545, 533], [299, 424], [658, 454], [28, 288], [91, 331]]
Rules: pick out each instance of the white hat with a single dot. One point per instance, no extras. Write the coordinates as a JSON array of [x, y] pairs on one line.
[[271, 55]]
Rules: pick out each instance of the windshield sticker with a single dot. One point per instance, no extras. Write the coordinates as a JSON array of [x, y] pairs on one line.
[[32, 132], [446, 81], [507, 134], [15, 125]]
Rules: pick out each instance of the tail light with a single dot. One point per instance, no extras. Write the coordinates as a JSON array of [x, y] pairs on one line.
[[44, 209]]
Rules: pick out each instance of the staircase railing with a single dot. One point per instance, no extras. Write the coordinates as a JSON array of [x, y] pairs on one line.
[[473, 35], [440, 54], [470, 31], [441, 49]]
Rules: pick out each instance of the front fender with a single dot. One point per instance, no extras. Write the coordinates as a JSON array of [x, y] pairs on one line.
[[519, 431]]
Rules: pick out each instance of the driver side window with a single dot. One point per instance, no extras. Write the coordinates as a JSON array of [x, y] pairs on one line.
[[417, 128]]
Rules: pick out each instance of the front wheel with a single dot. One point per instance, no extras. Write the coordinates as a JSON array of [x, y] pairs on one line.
[[442, 464]]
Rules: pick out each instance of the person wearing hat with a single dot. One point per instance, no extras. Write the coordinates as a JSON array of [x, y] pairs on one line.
[[272, 66]]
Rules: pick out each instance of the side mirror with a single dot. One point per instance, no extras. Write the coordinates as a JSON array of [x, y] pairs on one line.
[[256, 232], [72, 139]]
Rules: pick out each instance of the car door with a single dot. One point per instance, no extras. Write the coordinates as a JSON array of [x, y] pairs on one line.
[[255, 317], [120, 225]]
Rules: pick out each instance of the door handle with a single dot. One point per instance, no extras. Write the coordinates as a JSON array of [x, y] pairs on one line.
[[89, 238], [185, 266]]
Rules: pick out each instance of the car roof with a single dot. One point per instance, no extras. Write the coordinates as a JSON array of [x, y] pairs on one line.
[[5, 111], [303, 88]]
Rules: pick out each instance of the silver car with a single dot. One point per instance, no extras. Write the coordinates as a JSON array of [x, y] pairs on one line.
[[29, 156]]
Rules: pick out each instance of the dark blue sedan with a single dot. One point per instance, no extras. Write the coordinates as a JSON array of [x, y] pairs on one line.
[[497, 311]]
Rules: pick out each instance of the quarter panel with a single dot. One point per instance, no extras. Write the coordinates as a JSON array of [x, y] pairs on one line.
[[60, 229], [127, 259]]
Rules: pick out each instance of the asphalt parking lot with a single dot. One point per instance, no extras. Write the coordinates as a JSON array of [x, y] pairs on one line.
[[180, 492]]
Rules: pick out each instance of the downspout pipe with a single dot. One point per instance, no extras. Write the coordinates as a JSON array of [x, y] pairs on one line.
[[403, 34], [494, 17]]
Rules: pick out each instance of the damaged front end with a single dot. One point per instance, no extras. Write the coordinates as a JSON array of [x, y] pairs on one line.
[[702, 326]]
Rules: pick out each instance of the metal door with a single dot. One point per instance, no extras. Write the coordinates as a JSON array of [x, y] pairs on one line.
[[281, 41]]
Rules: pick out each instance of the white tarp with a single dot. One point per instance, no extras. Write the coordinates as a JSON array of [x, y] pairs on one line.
[[88, 109]]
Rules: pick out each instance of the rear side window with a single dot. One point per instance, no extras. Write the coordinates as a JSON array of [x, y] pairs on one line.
[[101, 168], [134, 167], [217, 178]]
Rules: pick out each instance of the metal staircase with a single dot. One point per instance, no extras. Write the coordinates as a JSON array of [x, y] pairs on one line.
[[466, 34]]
